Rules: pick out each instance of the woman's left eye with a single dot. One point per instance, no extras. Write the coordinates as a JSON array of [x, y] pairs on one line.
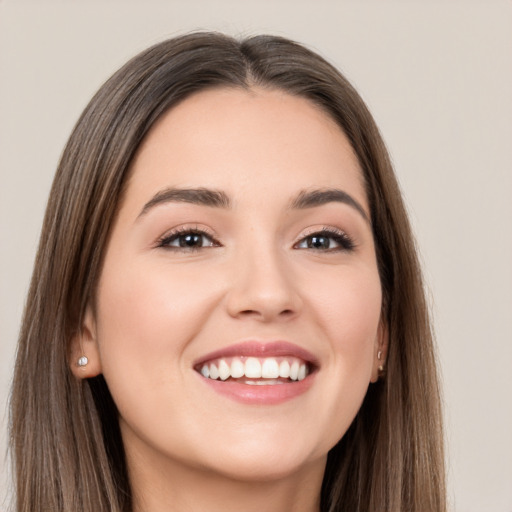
[[190, 239], [326, 240]]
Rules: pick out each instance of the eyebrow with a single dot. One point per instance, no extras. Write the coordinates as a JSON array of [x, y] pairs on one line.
[[219, 199], [313, 198], [199, 196]]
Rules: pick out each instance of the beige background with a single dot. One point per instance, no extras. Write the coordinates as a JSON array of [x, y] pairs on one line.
[[438, 78]]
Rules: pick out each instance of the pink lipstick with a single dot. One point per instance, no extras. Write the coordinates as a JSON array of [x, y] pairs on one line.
[[259, 373]]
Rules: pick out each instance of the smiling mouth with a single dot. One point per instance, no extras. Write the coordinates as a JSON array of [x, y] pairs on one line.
[[256, 371]]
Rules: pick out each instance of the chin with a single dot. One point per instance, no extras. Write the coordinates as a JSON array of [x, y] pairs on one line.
[[266, 469], [264, 459]]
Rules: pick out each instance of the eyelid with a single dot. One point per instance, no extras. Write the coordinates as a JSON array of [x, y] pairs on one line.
[[184, 229], [322, 229], [346, 242]]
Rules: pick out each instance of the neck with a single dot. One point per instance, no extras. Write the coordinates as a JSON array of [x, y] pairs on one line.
[[169, 486]]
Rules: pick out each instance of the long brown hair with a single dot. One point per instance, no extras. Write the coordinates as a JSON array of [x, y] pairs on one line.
[[66, 445]]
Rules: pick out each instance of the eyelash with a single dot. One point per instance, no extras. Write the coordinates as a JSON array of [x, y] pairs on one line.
[[345, 243], [168, 238]]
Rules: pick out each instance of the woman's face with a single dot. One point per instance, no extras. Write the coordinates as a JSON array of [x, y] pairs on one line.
[[237, 318]]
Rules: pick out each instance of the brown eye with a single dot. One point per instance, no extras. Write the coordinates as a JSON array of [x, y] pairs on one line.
[[191, 240], [318, 242], [326, 240], [187, 240]]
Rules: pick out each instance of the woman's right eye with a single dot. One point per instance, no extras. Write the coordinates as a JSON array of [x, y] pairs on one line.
[[187, 240]]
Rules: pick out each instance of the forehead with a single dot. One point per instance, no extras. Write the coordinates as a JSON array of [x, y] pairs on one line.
[[240, 140]]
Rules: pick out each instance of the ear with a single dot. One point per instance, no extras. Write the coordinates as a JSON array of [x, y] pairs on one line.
[[380, 351], [84, 344]]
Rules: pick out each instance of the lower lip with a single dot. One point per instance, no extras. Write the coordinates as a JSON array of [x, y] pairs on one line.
[[266, 394]]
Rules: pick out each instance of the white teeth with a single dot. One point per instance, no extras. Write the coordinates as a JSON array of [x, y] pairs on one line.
[[224, 370], [284, 369], [294, 370], [214, 373], [237, 369], [262, 382], [252, 368], [270, 369]]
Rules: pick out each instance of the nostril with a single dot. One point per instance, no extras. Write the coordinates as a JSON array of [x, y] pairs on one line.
[[257, 299], [285, 313], [247, 312]]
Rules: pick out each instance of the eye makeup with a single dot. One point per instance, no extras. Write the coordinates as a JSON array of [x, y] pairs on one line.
[[327, 239], [187, 239]]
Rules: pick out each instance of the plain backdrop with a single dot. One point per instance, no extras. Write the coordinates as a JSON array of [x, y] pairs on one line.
[[437, 77]]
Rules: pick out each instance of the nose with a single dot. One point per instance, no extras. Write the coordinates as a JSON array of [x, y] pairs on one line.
[[263, 288]]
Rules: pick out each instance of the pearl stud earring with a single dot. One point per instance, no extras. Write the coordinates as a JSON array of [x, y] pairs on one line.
[[82, 361]]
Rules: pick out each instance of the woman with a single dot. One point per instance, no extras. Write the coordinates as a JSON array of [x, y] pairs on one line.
[[227, 311]]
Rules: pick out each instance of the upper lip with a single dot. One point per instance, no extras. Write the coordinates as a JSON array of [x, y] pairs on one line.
[[260, 349]]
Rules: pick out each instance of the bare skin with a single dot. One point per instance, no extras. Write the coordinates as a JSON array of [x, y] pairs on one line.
[[264, 258], [214, 493]]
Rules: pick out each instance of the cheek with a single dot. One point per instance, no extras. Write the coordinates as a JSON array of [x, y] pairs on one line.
[[355, 324], [145, 321], [348, 306], [349, 316]]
